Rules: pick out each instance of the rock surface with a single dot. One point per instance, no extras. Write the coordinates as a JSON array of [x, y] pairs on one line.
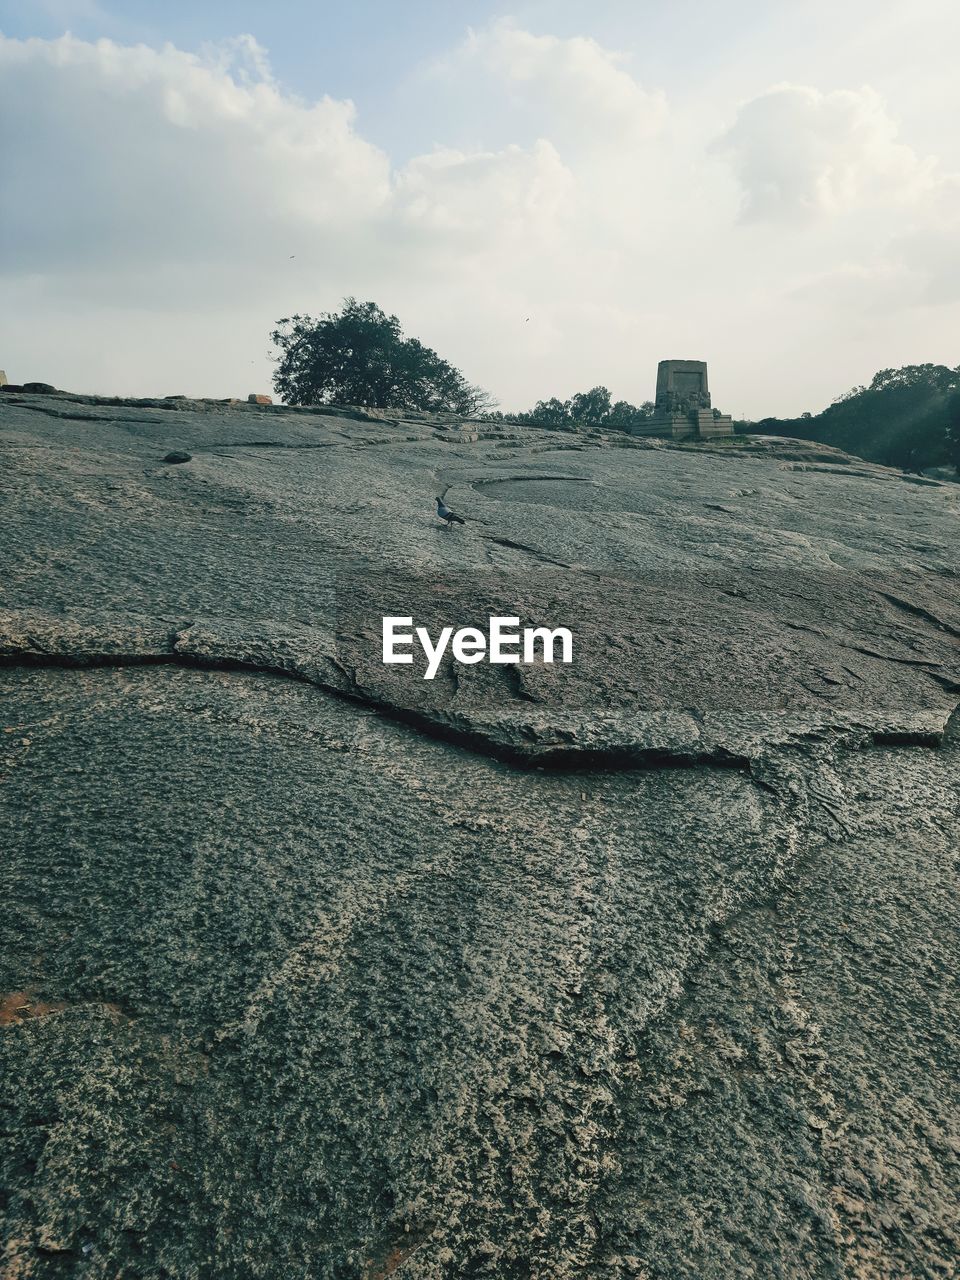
[[644, 966]]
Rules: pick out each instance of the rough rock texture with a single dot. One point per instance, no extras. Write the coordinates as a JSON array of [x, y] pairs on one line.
[[644, 966]]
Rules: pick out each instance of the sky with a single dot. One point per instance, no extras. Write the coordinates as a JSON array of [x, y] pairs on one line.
[[552, 194]]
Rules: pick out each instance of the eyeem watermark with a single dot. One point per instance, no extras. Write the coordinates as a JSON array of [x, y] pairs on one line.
[[503, 645]]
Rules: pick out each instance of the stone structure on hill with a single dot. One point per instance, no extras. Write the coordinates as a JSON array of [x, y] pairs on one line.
[[682, 408]]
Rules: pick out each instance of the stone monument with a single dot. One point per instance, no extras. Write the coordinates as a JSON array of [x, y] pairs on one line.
[[682, 408]]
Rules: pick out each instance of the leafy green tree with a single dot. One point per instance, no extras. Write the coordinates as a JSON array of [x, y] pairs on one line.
[[938, 376], [360, 356], [625, 415], [551, 413], [591, 408], [905, 418]]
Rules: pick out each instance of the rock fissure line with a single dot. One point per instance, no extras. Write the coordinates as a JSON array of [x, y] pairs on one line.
[[522, 546], [262, 444], [917, 611], [456, 731], [444, 728], [82, 417]]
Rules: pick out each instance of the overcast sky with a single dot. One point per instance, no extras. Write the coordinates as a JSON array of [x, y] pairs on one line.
[[768, 185]]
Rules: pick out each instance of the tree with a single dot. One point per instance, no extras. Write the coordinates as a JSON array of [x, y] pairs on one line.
[[937, 376], [907, 418], [591, 408], [360, 356], [550, 413], [625, 415]]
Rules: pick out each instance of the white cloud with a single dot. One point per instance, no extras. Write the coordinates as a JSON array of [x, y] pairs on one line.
[[148, 159], [474, 200], [800, 154], [152, 200], [930, 247], [853, 288], [576, 91], [139, 156], [915, 266], [158, 182]]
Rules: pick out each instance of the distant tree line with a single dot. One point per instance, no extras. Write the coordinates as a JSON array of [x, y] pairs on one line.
[[360, 356], [593, 408], [907, 418]]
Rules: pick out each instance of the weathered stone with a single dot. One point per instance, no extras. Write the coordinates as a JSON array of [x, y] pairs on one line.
[[682, 384], [255, 399], [306, 972], [682, 409], [38, 388], [177, 455]]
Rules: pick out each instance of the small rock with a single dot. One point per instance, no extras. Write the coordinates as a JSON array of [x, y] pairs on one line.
[[38, 388], [11, 386], [178, 455], [254, 399]]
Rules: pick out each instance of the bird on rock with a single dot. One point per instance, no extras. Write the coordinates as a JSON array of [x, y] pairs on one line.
[[444, 513]]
